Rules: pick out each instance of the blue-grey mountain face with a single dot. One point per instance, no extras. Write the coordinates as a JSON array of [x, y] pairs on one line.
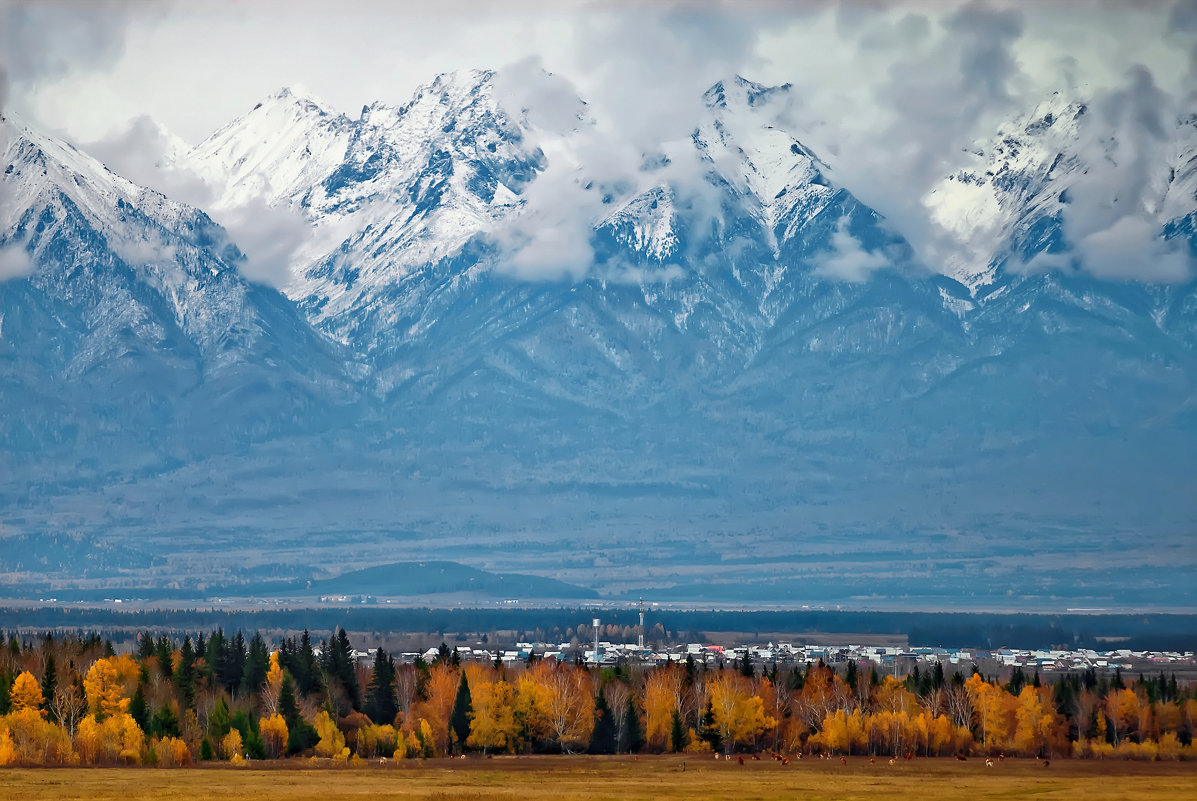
[[722, 410]]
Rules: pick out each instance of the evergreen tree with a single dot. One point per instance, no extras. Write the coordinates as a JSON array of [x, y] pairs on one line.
[[145, 646], [937, 677], [691, 669], [633, 733], [381, 706], [746, 668], [206, 754], [7, 677], [307, 677], [184, 676], [49, 684], [165, 722], [340, 668], [301, 735], [286, 700], [709, 731], [677, 733], [257, 663], [251, 737], [463, 710], [850, 674], [218, 721], [602, 738], [164, 650], [138, 709]]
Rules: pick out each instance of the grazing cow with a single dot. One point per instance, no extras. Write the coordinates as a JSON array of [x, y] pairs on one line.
[[908, 755], [893, 760], [718, 756], [843, 760], [757, 757], [741, 759], [784, 761], [872, 761], [961, 757], [1047, 763], [989, 763]]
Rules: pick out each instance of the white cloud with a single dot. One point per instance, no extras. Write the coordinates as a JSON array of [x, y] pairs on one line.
[[848, 260], [889, 93], [15, 261], [269, 237]]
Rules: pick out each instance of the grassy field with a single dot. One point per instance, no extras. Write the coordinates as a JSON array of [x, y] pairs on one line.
[[589, 778]]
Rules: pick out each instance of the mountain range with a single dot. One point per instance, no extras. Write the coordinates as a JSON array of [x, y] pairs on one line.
[[755, 391]]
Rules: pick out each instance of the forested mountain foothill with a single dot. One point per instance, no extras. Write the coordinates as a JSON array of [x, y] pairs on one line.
[[74, 700]]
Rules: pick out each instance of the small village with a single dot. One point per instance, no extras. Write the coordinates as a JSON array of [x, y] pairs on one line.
[[886, 660]]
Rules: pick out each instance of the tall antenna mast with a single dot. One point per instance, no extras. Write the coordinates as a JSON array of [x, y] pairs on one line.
[[641, 638]]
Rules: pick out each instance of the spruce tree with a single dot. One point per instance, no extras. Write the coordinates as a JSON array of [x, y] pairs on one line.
[[164, 651], [463, 710], [49, 684], [677, 733], [746, 669], [602, 738], [381, 706], [257, 663], [138, 710], [184, 676], [218, 721], [307, 678], [633, 734], [709, 731]]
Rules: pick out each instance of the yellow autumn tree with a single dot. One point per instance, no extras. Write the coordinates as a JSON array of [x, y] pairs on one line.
[[172, 752], [116, 738], [564, 702], [8, 748], [1122, 708], [441, 692], [739, 715], [493, 726], [231, 746], [994, 712], [1037, 730], [26, 693], [37, 741], [844, 732], [109, 684], [273, 730], [332, 740], [662, 697], [274, 684]]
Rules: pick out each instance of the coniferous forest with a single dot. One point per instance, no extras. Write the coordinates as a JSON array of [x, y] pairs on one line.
[[72, 700]]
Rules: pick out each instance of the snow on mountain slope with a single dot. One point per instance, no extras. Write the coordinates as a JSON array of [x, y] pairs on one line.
[[288, 143], [134, 309], [1009, 207], [393, 190]]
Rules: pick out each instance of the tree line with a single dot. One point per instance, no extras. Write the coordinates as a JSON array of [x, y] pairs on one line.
[[74, 700]]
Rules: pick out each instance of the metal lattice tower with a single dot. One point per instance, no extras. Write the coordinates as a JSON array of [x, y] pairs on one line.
[[640, 639]]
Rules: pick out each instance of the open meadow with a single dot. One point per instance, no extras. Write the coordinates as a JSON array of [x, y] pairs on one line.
[[644, 777]]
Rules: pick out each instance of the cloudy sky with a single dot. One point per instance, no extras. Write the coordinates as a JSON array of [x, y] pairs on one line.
[[891, 90]]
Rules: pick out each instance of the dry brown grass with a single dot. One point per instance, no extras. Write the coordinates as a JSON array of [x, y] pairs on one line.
[[590, 778]]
